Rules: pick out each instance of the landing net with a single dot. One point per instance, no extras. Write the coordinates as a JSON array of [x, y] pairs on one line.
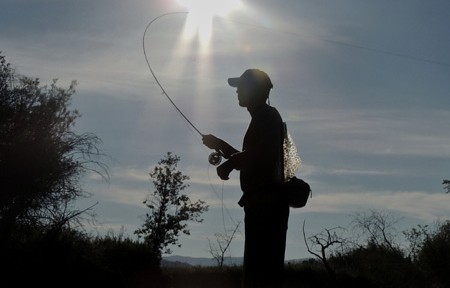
[[291, 158]]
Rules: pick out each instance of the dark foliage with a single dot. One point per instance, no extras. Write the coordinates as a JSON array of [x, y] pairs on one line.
[[192, 277], [434, 257], [72, 259], [313, 273], [380, 265], [41, 158], [446, 184]]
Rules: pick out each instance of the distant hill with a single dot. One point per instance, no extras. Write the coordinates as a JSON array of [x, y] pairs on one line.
[[184, 261]]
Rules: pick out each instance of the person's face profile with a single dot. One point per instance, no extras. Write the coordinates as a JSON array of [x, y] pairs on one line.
[[244, 95]]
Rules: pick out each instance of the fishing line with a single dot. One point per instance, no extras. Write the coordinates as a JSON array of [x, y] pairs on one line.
[[224, 208]]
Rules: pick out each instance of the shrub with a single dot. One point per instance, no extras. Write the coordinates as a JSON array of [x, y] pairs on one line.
[[434, 257]]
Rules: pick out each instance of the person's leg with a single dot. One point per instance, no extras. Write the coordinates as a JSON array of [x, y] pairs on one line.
[[265, 242], [276, 231], [253, 249]]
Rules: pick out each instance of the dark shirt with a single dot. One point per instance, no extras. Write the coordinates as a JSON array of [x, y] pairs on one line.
[[261, 159]]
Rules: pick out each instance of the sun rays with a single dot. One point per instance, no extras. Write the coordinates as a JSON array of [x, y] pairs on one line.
[[200, 18]]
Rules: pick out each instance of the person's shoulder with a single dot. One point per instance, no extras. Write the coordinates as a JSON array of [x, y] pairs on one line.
[[273, 111], [271, 114], [269, 109]]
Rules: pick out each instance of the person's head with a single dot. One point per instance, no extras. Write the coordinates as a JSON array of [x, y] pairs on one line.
[[253, 87]]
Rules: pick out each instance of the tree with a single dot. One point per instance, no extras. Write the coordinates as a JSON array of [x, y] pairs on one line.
[[41, 158], [169, 209], [416, 237]]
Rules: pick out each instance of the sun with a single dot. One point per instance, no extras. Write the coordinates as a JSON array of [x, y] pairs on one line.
[[201, 14], [211, 7]]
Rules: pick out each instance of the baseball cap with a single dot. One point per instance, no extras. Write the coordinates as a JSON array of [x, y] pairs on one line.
[[251, 78]]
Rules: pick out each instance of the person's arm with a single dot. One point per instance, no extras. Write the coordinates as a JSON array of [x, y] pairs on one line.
[[219, 145], [238, 161]]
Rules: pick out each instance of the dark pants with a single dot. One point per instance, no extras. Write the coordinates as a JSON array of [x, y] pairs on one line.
[[265, 243]]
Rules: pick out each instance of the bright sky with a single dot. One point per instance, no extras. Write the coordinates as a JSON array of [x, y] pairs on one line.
[[363, 85]]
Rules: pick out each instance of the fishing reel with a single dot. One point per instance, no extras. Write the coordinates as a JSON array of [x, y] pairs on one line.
[[215, 158]]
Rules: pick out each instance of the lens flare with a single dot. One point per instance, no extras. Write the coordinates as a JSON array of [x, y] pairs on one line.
[[201, 14]]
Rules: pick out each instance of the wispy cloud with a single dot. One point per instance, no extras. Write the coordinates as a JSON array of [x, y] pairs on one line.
[[359, 172], [423, 206]]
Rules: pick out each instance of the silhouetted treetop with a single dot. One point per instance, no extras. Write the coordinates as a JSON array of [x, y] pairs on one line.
[[41, 158]]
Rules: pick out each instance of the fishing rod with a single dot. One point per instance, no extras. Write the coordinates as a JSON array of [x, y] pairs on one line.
[[214, 158]]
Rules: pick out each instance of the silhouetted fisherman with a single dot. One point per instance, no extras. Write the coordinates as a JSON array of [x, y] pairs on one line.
[[261, 170]]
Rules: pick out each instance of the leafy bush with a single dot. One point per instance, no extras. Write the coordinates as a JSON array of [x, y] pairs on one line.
[[434, 257]]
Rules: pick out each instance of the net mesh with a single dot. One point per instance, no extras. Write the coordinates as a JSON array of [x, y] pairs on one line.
[[291, 158]]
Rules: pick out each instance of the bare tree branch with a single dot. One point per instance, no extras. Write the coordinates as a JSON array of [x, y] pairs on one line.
[[324, 241], [223, 242], [380, 228]]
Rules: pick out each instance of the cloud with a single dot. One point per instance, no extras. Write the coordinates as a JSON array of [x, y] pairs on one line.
[[350, 172], [131, 174], [419, 205], [132, 185], [121, 194], [374, 131], [208, 176]]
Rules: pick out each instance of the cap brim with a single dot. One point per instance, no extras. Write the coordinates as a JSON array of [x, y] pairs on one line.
[[234, 82]]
